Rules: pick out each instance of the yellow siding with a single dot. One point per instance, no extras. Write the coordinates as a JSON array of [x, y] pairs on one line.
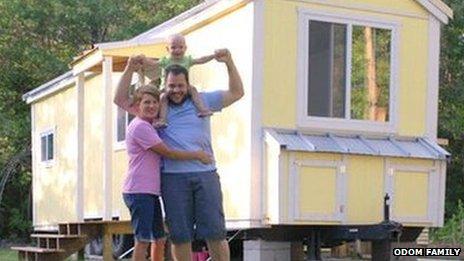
[[317, 190], [280, 60], [155, 50], [414, 162], [365, 189], [120, 162], [55, 185], [364, 185], [93, 147], [411, 194], [230, 128]]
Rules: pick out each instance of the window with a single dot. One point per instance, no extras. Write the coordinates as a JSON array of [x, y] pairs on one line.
[[123, 119], [47, 146], [346, 72]]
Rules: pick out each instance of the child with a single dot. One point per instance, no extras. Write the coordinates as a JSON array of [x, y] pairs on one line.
[[176, 48], [141, 187]]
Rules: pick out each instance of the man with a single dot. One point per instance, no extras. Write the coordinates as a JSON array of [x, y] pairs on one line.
[[191, 190]]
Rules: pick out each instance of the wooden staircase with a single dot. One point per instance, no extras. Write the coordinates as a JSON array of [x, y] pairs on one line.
[[72, 237]]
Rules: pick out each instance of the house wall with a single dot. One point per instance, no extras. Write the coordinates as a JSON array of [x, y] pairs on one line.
[[230, 127], [351, 188], [280, 61], [54, 184], [93, 147]]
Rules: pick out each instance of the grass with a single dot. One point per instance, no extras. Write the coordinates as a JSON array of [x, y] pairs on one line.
[[7, 254]]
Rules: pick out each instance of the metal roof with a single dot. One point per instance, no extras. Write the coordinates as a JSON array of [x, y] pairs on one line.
[[386, 146], [48, 87]]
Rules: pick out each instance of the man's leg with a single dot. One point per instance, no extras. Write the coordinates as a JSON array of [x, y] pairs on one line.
[[219, 250], [157, 250], [209, 214], [182, 251]]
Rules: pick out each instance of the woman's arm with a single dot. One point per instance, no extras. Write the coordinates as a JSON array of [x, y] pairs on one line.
[[121, 98], [165, 151]]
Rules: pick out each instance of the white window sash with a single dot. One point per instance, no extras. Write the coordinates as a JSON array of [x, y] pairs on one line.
[[306, 122]]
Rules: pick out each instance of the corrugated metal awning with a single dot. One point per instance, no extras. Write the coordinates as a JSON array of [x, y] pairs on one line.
[[389, 147]]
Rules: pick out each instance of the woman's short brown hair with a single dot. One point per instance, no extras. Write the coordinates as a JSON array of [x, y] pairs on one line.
[[146, 89]]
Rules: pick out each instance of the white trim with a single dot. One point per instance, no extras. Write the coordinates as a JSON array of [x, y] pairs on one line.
[[233, 224], [294, 193], [45, 133], [312, 123], [435, 7], [59, 86], [93, 215], [441, 194], [107, 137], [257, 158], [35, 170], [342, 196], [51, 87], [291, 194], [432, 79], [80, 79], [38, 227], [436, 11], [91, 60], [129, 43], [388, 183], [280, 191]]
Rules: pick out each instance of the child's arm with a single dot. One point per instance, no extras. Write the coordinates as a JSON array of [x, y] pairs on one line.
[[165, 151], [151, 67], [203, 59]]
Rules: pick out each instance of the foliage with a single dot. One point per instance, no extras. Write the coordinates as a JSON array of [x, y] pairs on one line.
[[453, 231], [451, 105], [38, 39]]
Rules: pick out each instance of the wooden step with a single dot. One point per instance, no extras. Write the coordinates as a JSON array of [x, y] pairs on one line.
[[31, 249], [56, 236], [39, 254]]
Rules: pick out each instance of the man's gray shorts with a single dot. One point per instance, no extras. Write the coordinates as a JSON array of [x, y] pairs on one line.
[[193, 206]]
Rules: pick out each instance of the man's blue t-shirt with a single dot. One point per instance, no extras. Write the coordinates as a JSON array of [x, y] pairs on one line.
[[187, 131]]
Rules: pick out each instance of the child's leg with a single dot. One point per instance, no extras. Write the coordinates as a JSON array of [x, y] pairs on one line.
[[140, 249], [203, 110], [163, 111], [157, 250]]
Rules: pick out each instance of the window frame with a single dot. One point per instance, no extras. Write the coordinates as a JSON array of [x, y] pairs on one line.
[[315, 123], [47, 162]]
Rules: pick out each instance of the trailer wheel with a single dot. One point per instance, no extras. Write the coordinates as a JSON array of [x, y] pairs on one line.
[[121, 243]]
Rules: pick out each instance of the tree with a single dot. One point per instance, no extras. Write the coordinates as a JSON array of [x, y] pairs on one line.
[[451, 105], [38, 39]]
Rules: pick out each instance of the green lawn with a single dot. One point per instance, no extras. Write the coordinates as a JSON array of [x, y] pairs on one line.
[[8, 255]]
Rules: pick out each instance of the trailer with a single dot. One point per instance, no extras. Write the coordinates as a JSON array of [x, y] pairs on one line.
[[340, 111]]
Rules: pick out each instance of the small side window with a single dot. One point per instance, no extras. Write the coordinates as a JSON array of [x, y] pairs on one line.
[[47, 143]]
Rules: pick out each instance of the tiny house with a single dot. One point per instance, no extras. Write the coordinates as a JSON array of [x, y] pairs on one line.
[[340, 109]]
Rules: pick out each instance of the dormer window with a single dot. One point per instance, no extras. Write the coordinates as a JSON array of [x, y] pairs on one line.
[[346, 72]]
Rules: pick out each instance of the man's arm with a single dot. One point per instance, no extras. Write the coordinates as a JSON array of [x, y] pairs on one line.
[[203, 59], [235, 91], [121, 98], [167, 152]]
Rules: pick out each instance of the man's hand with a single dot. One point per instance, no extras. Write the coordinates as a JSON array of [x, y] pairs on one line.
[[135, 62], [222, 55], [204, 157]]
